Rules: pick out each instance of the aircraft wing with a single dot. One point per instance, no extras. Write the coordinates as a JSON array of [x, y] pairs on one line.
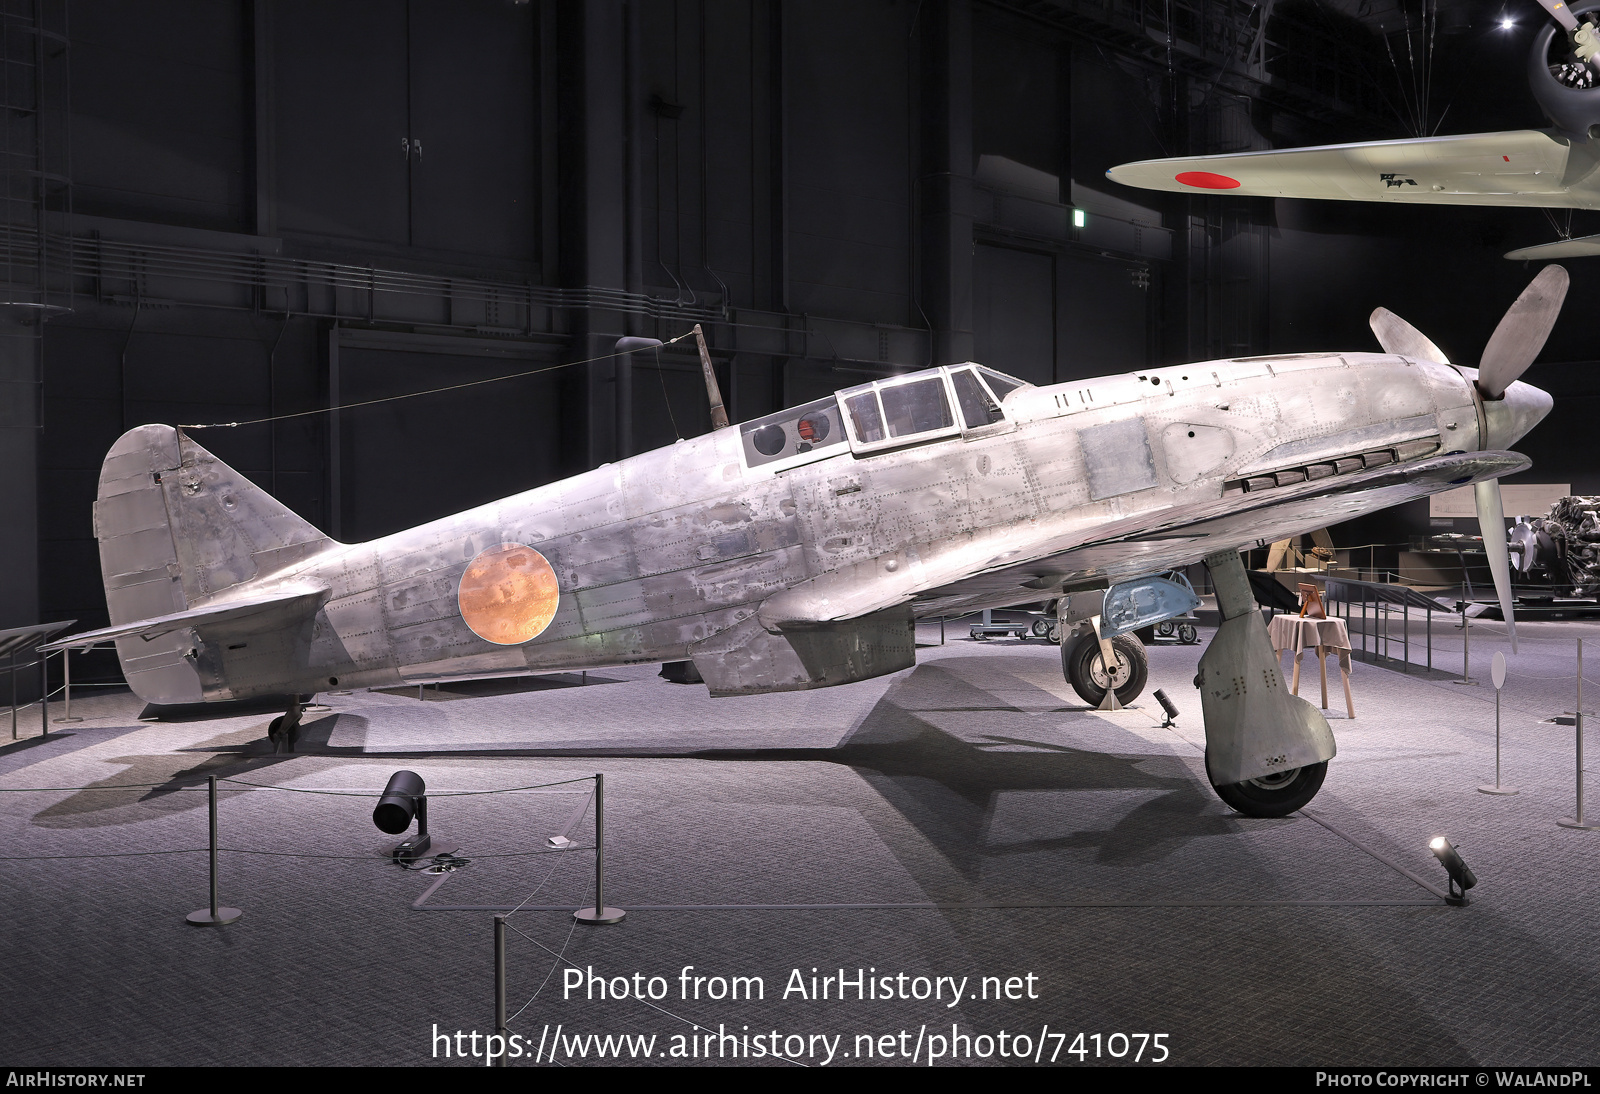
[[1147, 543], [1523, 167], [1578, 247], [262, 610]]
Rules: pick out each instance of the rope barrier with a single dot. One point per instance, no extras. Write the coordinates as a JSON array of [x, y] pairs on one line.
[[290, 789], [281, 854], [431, 793]]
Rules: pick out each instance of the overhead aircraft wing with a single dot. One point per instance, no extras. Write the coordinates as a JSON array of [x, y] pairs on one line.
[[1523, 167], [260, 611]]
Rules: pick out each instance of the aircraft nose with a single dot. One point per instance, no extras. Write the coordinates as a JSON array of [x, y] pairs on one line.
[[1510, 418]]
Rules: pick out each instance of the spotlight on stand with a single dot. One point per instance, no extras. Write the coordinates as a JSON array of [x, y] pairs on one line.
[[1461, 876], [1168, 706], [405, 797]]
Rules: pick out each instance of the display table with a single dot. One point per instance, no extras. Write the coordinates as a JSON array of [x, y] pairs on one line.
[[1299, 634]]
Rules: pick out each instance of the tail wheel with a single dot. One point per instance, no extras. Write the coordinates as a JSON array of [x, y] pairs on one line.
[[1275, 795], [1085, 668]]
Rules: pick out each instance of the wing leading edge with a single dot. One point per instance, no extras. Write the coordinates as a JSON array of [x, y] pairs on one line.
[[1153, 542]]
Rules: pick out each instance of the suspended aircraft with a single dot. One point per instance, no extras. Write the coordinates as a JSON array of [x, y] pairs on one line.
[[1553, 168], [798, 550]]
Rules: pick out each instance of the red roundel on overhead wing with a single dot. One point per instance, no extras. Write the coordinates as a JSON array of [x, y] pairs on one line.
[[1206, 180]]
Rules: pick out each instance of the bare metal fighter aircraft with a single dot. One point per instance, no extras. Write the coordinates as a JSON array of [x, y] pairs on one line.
[[1554, 168], [797, 550]]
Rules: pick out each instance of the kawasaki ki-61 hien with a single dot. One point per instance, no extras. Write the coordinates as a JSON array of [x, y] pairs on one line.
[[799, 549]]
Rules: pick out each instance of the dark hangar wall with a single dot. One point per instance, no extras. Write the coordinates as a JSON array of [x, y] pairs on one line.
[[266, 207]]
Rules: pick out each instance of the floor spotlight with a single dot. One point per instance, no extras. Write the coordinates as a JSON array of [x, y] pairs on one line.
[[1168, 706], [405, 797], [1461, 876]]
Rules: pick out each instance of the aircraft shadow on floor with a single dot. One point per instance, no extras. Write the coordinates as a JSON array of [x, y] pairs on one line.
[[946, 784]]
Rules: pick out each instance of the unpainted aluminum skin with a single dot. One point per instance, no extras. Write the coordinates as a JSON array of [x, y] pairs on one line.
[[793, 552]]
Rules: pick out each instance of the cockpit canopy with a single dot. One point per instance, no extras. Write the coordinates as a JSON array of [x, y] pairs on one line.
[[907, 409], [924, 405]]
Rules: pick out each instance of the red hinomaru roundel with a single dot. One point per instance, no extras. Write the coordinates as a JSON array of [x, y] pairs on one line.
[[508, 594]]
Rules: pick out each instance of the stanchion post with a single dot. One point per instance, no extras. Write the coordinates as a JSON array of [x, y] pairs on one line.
[[66, 689], [499, 987], [1577, 819], [213, 916], [599, 913], [1466, 647], [44, 691]]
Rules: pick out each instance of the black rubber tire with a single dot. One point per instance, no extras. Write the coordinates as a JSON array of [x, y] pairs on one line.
[[1254, 799], [1165, 628], [1188, 634], [1040, 628], [275, 729], [1054, 634], [1080, 656]]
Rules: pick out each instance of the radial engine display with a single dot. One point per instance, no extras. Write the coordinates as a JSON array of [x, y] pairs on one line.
[[1562, 547]]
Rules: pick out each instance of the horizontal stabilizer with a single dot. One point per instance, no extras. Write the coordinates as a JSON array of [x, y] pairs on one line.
[[243, 614]]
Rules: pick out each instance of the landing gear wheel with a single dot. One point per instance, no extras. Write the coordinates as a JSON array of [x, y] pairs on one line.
[[1085, 668], [275, 729], [1188, 634], [1275, 795]]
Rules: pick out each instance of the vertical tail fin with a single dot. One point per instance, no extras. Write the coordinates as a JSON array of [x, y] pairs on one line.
[[178, 526]]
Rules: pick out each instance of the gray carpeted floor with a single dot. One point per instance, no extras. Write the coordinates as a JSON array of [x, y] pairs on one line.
[[968, 818]]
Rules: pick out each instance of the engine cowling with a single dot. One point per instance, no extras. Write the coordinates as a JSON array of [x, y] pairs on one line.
[[1566, 87]]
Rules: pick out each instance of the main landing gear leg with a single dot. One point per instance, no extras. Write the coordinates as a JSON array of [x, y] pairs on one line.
[[286, 726], [1267, 751]]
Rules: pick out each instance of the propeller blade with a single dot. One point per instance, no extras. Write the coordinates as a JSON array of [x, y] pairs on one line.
[[1559, 12], [1522, 332], [1492, 523], [1397, 336]]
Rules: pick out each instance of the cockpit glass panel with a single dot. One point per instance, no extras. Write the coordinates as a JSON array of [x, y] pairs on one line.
[[977, 406], [864, 416], [791, 433], [999, 383], [917, 407]]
